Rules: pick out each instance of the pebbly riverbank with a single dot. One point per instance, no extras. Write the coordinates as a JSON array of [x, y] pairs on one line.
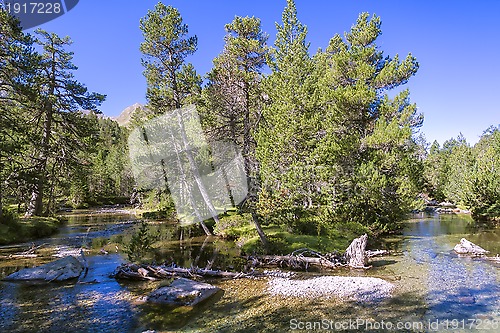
[[360, 289]]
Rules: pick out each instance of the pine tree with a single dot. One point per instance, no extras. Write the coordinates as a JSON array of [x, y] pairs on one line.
[[17, 69], [460, 161], [172, 82], [367, 136], [287, 130], [483, 188], [234, 98], [63, 130]]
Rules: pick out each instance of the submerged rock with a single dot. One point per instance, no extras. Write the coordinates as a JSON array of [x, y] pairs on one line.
[[60, 270], [183, 292]]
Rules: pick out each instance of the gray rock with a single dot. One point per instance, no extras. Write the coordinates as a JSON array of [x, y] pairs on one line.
[[183, 292], [466, 247], [63, 269]]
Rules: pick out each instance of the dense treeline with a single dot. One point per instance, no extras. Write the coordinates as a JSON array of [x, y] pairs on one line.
[[330, 140], [467, 176], [55, 148]]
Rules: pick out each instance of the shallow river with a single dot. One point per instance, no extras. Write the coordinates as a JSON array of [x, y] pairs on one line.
[[435, 290]]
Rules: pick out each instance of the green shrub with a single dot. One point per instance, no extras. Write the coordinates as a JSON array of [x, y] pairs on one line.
[[9, 218], [233, 226], [99, 242], [140, 244], [14, 229]]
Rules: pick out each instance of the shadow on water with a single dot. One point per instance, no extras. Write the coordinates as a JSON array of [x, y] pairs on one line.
[[161, 317], [262, 313], [80, 229], [95, 304]]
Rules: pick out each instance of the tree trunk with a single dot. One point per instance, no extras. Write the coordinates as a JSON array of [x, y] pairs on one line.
[[1, 205], [355, 253], [252, 188], [261, 233], [36, 201], [184, 182], [196, 174]]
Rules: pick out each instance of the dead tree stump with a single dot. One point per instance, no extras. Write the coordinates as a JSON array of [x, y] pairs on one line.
[[355, 254]]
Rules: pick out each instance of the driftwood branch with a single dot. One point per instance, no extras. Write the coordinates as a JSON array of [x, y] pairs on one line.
[[30, 253], [84, 262], [355, 257], [376, 253], [152, 273], [299, 260], [32, 249], [495, 259]]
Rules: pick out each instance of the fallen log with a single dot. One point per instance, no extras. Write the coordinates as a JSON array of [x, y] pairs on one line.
[[376, 253], [30, 253], [33, 249], [18, 256], [466, 247], [147, 272], [355, 257], [297, 262], [494, 259]]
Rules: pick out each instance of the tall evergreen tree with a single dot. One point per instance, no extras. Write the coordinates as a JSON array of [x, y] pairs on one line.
[[62, 129], [483, 189], [234, 97], [336, 149], [17, 68], [287, 130], [459, 160], [367, 136], [435, 172], [172, 82]]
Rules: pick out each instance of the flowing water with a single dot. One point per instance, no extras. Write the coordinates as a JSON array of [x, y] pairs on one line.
[[435, 290]]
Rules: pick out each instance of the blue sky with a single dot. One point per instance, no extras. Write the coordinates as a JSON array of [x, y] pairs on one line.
[[457, 44]]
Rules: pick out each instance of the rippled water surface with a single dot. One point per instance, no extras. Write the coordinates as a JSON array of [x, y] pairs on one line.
[[431, 283]]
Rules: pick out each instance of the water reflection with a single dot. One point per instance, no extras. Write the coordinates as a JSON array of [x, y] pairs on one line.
[[457, 287], [95, 304]]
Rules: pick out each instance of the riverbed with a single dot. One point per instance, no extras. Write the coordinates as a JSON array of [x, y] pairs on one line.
[[434, 287]]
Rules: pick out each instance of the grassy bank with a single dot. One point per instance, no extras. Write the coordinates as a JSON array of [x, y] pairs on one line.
[[14, 229], [281, 240]]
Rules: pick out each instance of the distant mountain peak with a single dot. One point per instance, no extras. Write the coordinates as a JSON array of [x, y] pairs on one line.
[[124, 118]]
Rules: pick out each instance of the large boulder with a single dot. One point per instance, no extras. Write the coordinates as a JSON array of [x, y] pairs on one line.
[[466, 247], [183, 292], [60, 270]]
